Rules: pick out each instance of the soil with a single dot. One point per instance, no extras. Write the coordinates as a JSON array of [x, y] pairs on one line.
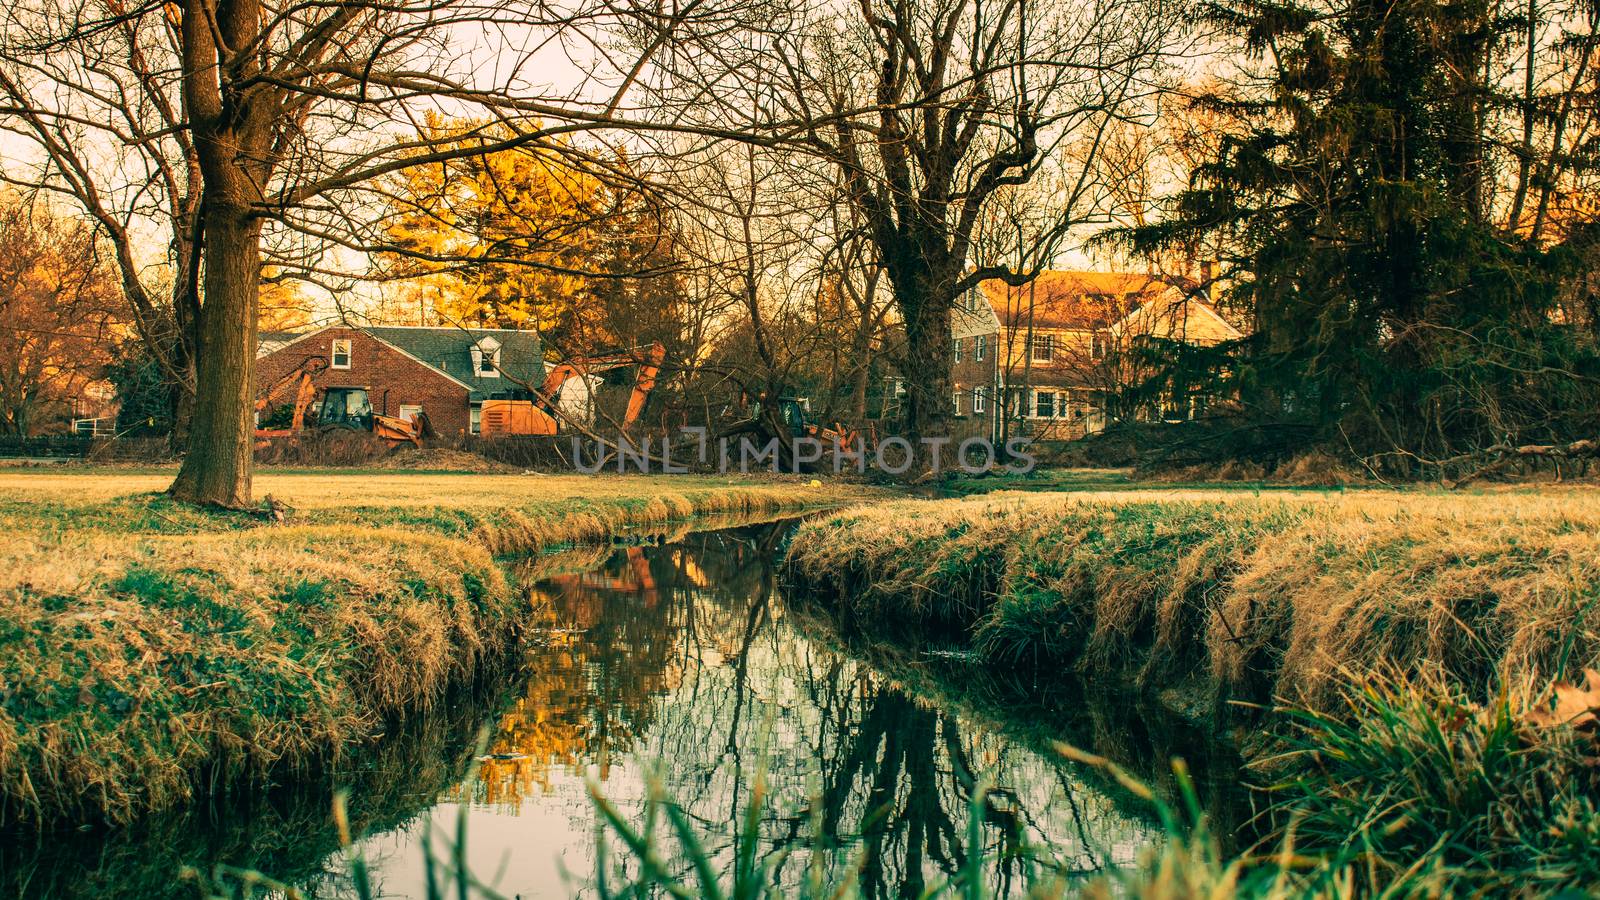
[[439, 459]]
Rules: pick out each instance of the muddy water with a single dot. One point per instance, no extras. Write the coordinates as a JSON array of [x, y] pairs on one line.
[[687, 664]]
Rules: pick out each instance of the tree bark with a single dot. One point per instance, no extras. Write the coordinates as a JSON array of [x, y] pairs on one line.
[[927, 359], [216, 470], [233, 140]]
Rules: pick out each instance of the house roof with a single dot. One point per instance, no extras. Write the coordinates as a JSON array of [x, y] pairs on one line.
[[446, 349], [450, 351], [1079, 300], [273, 341]]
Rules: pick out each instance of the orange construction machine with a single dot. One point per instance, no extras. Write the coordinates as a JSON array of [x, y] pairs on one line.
[[340, 407], [537, 416]]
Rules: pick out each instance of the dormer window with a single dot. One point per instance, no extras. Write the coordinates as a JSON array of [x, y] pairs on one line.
[[339, 356], [486, 358]]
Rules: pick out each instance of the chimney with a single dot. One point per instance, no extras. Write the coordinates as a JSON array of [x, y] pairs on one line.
[[1208, 273]]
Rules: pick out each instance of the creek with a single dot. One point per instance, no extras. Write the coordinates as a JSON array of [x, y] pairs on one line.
[[687, 665]]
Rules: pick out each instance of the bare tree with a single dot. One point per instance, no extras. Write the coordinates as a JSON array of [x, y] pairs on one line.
[[271, 118], [924, 111], [105, 123]]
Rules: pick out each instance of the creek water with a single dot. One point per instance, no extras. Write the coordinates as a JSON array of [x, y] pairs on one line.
[[686, 665]]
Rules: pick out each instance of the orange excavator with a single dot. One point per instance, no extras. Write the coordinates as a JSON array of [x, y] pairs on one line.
[[303, 378], [537, 416], [342, 407]]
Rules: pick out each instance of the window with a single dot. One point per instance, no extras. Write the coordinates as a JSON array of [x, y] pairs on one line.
[[955, 401], [475, 417], [410, 411], [339, 358], [979, 397], [1015, 400], [980, 346], [958, 350], [1097, 344], [1044, 404], [1044, 347], [971, 299], [486, 358]]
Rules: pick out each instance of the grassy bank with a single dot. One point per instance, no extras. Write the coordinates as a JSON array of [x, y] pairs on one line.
[[1410, 642], [1230, 596], [152, 653]]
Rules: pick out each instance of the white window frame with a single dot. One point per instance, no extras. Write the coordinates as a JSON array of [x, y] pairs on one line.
[[956, 400], [957, 357], [487, 350], [410, 411], [1039, 395], [980, 394], [334, 352], [474, 418], [1047, 342], [980, 346]]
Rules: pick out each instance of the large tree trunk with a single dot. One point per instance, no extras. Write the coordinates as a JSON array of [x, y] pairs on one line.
[[927, 359], [233, 139], [216, 470]]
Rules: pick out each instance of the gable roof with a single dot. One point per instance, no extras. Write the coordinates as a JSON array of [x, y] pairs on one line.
[[1075, 300], [1185, 317], [447, 350], [273, 341], [450, 351]]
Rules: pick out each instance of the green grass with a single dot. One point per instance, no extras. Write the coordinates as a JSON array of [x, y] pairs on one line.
[[1223, 596], [152, 653]]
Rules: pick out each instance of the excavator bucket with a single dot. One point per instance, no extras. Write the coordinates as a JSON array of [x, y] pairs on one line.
[[395, 431]]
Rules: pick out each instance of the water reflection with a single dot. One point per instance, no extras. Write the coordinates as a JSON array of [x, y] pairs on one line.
[[688, 657]]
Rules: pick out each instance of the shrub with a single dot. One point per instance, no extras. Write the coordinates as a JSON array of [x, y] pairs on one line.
[[1411, 775]]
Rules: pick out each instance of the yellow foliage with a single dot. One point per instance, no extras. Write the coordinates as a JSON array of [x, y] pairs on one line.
[[504, 238], [284, 307]]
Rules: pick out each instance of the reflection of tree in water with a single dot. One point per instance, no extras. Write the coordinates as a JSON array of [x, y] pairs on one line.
[[895, 775], [593, 679], [683, 656]]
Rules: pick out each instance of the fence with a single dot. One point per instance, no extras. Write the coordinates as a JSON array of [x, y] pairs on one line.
[[52, 446], [103, 426]]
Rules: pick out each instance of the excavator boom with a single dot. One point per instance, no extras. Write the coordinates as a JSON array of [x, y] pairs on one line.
[[303, 378]]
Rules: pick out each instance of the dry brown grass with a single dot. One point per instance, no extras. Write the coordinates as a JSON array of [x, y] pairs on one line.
[[151, 653], [1251, 597]]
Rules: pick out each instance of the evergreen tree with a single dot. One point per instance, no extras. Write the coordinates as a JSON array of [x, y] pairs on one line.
[[1388, 309]]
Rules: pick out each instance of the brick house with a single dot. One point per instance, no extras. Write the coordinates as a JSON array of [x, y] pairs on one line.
[[1041, 359], [446, 372]]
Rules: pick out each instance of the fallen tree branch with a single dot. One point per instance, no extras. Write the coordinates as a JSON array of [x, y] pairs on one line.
[[1499, 456]]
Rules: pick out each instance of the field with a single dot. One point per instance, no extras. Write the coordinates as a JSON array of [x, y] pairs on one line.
[[152, 653]]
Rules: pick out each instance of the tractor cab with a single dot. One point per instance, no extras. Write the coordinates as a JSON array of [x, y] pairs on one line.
[[344, 407], [791, 412]]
